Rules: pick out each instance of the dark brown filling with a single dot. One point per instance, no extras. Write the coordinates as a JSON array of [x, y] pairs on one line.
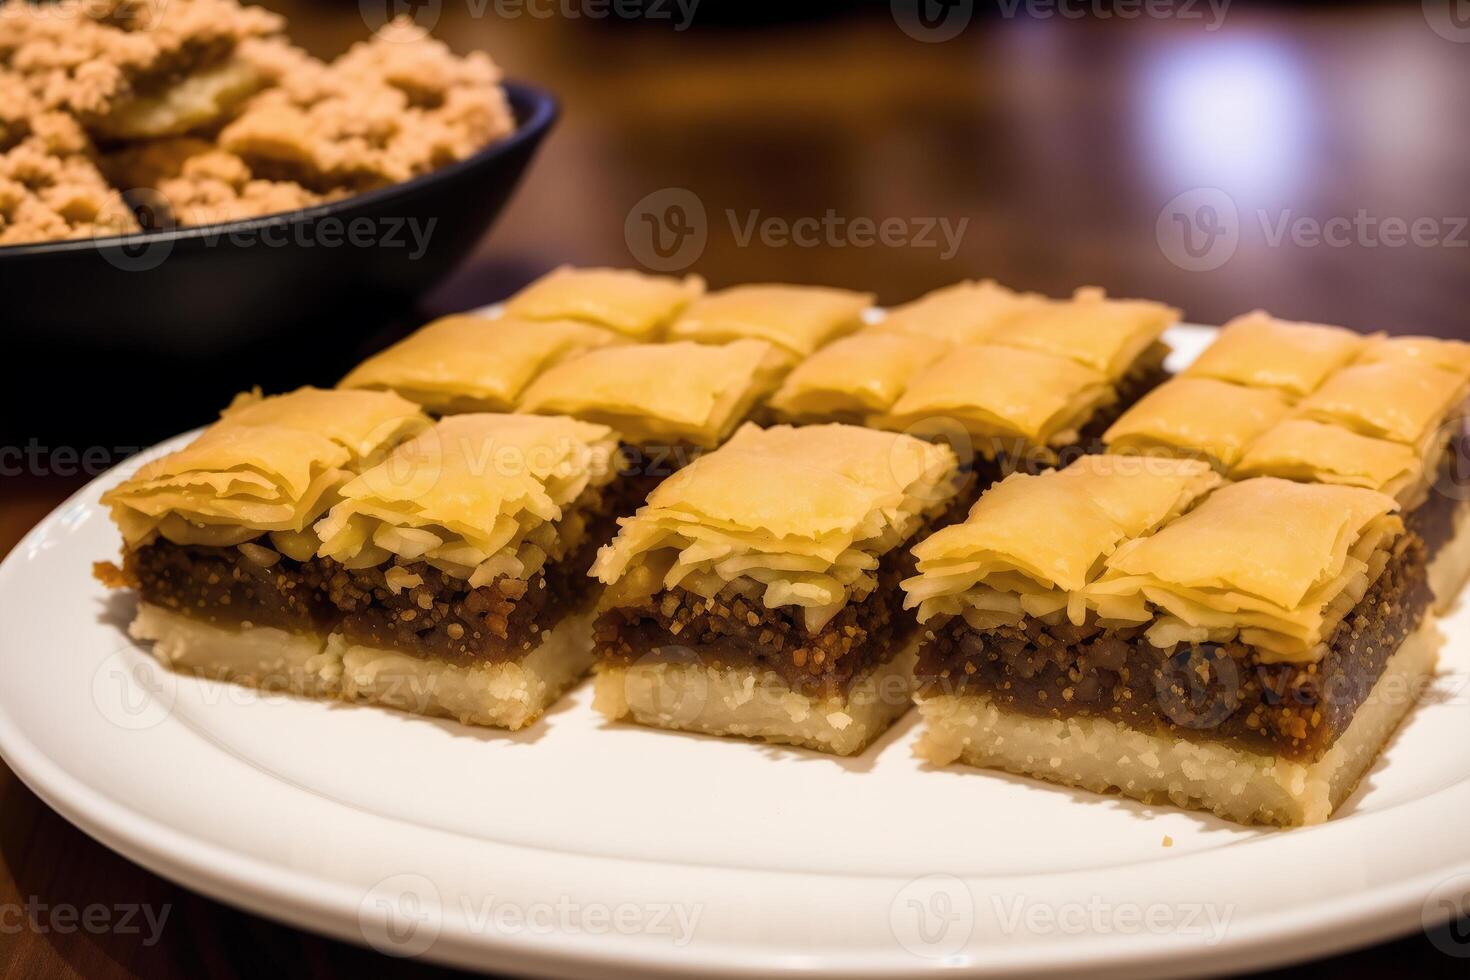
[[445, 618], [1215, 692], [224, 587], [441, 616], [1449, 494], [1014, 458], [734, 630]]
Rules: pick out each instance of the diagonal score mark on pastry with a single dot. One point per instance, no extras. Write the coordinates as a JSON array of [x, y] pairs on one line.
[[1243, 648], [218, 539], [756, 593], [1316, 403]]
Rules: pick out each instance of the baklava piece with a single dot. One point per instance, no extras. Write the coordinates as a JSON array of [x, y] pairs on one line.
[[1199, 418], [669, 402], [1320, 404], [635, 305], [796, 320], [1259, 351], [1119, 337], [218, 540], [1038, 382], [458, 567], [965, 313], [474, 364], [855, 377], [1246, 650], [756, 594]]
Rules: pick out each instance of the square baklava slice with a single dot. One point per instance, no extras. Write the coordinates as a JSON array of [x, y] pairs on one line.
[[636, 305], [964, 313], [1031, 387], [796, 320], [1122, 626], [466, 363], [756, 593], [218, 541], [669, 402], [458, 567]]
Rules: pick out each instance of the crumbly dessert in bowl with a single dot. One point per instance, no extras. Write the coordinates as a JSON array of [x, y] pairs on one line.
[[204, 112]]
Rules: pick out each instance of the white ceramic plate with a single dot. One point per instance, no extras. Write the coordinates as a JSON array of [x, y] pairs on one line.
[[581, 848]]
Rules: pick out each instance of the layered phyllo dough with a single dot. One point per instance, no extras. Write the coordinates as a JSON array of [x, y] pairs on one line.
[[669, 402], [795, 320], [1019, 380], [473, 363], [756, 593], [631, 303], [218, 538], [855, 377], [457, 567], [1245, 648], [1315, 403], [1259, 351], [965, 313]]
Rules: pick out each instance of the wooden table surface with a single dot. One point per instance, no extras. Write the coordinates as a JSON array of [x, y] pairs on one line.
[[1313, 163]]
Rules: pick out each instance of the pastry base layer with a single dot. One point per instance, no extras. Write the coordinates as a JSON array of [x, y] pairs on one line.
[[259, 656], [510, 694], [1247, 787], [1450, 569], [741, 701]]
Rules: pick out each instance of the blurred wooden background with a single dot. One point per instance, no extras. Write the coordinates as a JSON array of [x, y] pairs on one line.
[[1333, 141]]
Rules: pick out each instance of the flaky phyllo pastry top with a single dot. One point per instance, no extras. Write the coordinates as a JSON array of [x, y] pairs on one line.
[[472, 363], [660, 394], [268, 466], [477, 496], [1032, 543], [637, 306], [1271, 563], [1260, 351], [856, 376], [787, 516], [796, 320], [965, 313], [1007, 399], [1107, 335]]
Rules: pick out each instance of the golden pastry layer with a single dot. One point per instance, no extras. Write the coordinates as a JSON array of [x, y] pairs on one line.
[[635, 305], [797, 516], [268, 466]]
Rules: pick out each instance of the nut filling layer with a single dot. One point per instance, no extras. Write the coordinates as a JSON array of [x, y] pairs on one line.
[[1204, 692], [733, 630]]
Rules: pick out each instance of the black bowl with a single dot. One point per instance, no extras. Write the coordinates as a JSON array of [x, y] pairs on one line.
[[167, 324]]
